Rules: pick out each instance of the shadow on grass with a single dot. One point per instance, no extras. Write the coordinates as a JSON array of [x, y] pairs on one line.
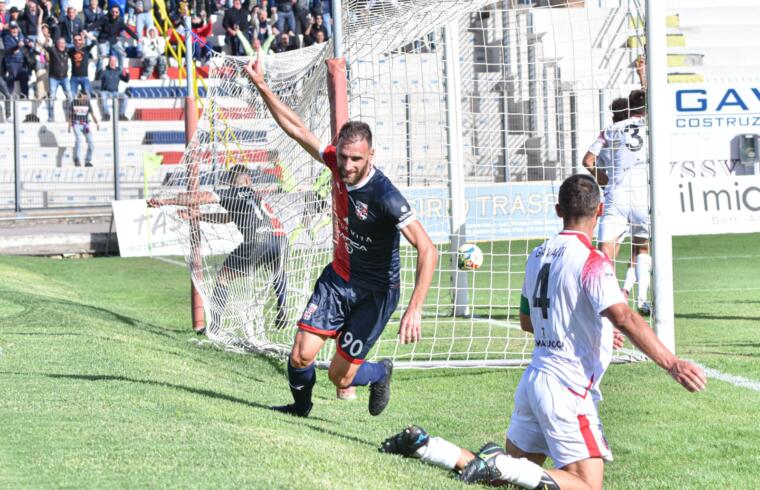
[[81, 309], [210, 394], [706, 316]]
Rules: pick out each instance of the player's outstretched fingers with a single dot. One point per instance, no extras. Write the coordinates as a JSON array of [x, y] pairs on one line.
[[688, 375]]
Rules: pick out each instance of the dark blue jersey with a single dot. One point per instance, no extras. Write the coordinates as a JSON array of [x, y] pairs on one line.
[[367, 218], [249, 213]]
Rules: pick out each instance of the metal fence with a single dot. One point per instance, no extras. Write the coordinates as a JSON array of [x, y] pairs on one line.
[[37, 157]]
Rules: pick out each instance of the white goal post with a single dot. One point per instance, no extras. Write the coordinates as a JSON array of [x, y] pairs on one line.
[[479, 110]]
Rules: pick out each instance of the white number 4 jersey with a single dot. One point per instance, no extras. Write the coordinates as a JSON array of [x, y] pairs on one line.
[[568, 283]]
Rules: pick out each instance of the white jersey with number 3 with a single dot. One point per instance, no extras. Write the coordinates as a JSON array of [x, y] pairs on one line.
[[568, 283]]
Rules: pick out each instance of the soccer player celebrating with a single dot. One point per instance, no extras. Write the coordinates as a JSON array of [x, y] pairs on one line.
[[265, 242], [357, 293], [626, 193], [569, 287]]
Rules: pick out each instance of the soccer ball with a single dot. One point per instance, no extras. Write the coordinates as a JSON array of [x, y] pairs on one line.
[[469, 257]]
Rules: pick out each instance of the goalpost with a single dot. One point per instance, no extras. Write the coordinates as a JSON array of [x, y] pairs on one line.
[[479, 110]]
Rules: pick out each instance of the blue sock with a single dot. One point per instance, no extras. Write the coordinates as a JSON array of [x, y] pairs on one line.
[[369, 372], [301, 383]]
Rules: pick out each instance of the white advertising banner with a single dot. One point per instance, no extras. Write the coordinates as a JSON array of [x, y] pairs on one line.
[[712, 189], [715, 206], [152, 232]]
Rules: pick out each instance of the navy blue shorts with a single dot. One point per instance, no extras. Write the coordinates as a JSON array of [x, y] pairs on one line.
[[354, 315], [265, 251]]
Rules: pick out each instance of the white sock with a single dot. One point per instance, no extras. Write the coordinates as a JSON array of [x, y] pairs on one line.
[[630, 279], [520, 472], [440, 452], [643, 271]]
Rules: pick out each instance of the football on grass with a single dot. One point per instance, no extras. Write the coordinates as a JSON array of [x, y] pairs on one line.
[[469, 257]]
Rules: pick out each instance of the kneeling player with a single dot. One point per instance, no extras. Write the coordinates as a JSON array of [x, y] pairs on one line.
[[569, 286]]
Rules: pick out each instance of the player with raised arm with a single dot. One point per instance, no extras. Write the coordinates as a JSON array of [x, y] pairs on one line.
[[626, 181], [569, 287], [265, 242], [357, 293]]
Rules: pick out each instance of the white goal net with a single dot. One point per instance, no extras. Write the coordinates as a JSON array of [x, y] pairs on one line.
[[479, 110]]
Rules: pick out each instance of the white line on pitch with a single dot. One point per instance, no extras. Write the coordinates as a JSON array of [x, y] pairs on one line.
[[730, 378], [717, 257], [498, 323], [171, 261], [714, 290]]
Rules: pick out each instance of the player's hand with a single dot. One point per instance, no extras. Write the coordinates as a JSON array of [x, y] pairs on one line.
[[617, 339], [255, 69], [411, 326], [602, 178], [688, 375], [189, 214], [154, 203]]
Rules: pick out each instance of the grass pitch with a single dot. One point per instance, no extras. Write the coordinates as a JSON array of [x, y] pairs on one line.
[[102, 386]]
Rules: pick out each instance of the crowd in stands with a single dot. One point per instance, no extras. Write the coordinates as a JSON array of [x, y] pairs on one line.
[[50, 44]]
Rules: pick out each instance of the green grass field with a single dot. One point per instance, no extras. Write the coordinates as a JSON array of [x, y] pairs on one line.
[[103, 386]]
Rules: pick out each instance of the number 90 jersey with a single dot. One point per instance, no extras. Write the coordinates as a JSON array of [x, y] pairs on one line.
[[568, 283]]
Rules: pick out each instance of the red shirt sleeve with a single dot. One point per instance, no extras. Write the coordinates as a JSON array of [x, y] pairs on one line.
[[330, 157]]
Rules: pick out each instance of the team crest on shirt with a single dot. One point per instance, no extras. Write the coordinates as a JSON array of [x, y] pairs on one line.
[[361, 210]]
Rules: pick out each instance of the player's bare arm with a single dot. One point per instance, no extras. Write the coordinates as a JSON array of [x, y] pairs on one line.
[[525, 324], [427, 258], [589, 163], [285, 117], [185, 199], [636, 329]]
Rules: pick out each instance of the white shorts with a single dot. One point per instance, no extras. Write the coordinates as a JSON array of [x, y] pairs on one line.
[[621, 216], [550, 419]]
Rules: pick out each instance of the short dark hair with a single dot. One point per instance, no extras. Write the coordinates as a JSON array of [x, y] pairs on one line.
[[619, 108], [236, 171], [356, 130], [578, 196], [637, 102]]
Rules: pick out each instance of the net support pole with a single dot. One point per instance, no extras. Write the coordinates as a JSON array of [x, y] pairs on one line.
[[658, 107], [193, 184], [454, 131]]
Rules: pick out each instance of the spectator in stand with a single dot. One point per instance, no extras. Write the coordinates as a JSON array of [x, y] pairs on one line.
[[58, 73], [323, 8], [13, 14], [92, 15], [202, 46], [41, 68], [79, 119], [29, 20], [314, 31], [110, 28], [262, 26], [70, 26], [286, 19], [14, 62], [143, 16], [284, 43], [152, 48], [109, 89], [4, 15], [50, 19], [80, 56], [236, 20]]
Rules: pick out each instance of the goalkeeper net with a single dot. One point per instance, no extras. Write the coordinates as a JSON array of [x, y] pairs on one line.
[[480, 109]]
